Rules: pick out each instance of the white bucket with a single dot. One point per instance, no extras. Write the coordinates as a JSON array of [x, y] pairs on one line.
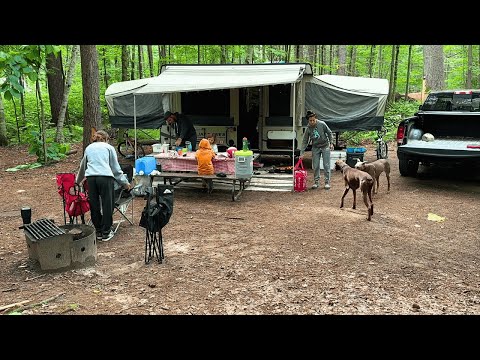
[[156, 148], [165, 148]]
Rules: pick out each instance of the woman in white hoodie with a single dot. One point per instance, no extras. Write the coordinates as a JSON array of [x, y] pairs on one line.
[[101, 168]]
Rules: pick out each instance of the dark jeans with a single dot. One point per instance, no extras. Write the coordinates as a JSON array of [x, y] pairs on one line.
[[100, 195]]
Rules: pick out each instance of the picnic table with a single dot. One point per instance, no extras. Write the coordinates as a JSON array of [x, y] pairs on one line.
[[177, 168]]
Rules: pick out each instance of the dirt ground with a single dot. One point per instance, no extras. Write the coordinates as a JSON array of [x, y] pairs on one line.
[[269, 253]]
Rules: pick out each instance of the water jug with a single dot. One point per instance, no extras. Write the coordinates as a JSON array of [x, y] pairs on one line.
[[188, 145]]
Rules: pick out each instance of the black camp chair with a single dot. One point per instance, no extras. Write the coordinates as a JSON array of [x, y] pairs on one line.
[[123, 199], [155, 215]]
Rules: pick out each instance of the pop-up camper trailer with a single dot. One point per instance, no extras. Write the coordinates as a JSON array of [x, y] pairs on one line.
[[264, 102]]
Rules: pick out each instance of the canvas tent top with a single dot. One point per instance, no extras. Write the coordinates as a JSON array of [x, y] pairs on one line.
[[356, 84], [347, 103]]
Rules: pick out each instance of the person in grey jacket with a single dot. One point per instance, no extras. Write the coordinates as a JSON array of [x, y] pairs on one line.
[[101, 168], [322, 141]]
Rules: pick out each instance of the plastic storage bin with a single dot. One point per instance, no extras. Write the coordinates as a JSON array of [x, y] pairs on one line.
[[356, 150], [146, 164], [243, 164], [353, 157]]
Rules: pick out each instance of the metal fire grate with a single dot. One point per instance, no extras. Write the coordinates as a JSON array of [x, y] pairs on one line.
[[43, 229]]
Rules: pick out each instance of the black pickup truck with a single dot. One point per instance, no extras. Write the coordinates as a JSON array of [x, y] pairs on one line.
[[446, 129]]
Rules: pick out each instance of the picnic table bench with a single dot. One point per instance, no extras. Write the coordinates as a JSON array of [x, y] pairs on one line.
[[175, 178]]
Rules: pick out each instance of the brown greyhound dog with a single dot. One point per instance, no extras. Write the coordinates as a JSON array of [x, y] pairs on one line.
[[355, 179], [375, 169]]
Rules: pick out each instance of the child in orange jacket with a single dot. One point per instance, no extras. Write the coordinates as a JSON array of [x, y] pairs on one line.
[[204, 156]]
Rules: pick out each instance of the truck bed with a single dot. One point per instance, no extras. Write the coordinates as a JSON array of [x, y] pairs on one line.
[[443, 143]]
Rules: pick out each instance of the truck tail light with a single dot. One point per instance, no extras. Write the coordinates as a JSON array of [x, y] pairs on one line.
[[400, 134]]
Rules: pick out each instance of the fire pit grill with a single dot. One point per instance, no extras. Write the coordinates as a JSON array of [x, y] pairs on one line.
[[43, 229], [60, 247]]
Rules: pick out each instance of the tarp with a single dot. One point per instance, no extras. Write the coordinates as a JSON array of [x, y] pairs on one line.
[[184, 78], [346, 102], [150, 107]]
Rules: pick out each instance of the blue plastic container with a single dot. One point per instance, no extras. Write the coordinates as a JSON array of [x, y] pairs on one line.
[[146, 164], [355, 150]]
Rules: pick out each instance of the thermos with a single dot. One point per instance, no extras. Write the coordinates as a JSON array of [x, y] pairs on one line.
[[26, 213]]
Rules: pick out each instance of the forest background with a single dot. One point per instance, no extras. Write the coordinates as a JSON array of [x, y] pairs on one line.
[[53, 95]]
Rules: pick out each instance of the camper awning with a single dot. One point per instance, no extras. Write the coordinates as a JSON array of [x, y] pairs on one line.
[[184, 78]]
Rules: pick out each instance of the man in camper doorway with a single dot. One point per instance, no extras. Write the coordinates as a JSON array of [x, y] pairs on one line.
[[184, 129], [322, 141]]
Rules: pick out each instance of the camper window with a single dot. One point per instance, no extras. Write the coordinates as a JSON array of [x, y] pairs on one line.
[[279, 104], [213, 103]]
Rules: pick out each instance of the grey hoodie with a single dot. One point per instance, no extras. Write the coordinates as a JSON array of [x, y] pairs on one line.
[[320, 134]]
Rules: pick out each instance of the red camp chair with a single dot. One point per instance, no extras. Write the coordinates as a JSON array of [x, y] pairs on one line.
[[75, 199]]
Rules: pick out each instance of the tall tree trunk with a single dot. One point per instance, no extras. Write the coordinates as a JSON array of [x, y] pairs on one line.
[[350, 60], [22, 103], [330, 62], [409, 65], [61, 116], [433, 67], [150, 59], [140, 61], [91, 91], [3, 124], [469, 67], [315, 60], [198, 54], [55, 82], [124, 63], [287, 53], [371, 61], [322, 58], [263, 53], [380, 61], [223, 54], [162, 53], [42, 123], [132, 64], [353, 70], [395, 70], [391, 89], [342, 60], [311, 53], [104, 60], [249, 59]]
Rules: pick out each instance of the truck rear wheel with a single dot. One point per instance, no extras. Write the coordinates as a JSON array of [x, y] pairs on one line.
[[407, 167]]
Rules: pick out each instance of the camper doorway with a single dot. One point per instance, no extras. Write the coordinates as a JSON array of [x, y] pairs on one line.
[[249, 104]]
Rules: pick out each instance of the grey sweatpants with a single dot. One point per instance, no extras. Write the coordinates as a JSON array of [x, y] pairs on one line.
[[318, 152]]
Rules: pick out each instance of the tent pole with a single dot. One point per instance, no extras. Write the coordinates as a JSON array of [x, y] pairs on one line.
[[135, 126], [293, 133]]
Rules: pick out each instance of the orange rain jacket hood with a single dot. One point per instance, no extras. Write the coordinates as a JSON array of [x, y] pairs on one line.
[[204, 156]]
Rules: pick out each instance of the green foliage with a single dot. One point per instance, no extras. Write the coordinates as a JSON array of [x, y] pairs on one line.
[[394, 114], [24, 167], [55, 151]]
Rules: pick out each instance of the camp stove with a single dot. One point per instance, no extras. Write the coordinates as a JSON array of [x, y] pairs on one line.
[[60, 247]]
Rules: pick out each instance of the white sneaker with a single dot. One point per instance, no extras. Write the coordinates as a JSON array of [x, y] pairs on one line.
[[315, 186], [327, 186], [107, 237]]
